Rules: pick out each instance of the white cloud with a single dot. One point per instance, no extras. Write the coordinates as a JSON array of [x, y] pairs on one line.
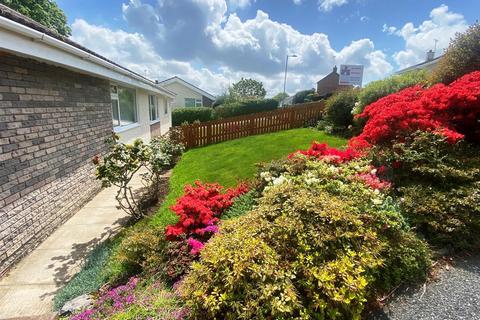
[[200, 41], [328, 5], [442, 26], [297, 2], [364, 19], [234, 4]]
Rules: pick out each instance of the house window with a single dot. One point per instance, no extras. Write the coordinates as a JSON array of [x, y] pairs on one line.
[[191, 102], [165, 107], [153, 104], [124, 107]]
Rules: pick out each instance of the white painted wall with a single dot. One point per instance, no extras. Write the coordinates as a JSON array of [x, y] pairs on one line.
[[182, 92], [142, 128], [165, 119]]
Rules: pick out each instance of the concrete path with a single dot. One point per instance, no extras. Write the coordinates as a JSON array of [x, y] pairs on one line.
[[27, 291]]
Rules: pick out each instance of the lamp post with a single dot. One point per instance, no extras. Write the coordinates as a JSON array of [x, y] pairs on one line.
[[285, 79]]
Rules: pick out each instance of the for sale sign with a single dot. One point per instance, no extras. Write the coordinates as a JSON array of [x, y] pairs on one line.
[[351, 75]]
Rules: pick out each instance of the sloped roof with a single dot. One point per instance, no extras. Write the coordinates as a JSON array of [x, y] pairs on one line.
[[12, 15], [420, 65], [187, 84]]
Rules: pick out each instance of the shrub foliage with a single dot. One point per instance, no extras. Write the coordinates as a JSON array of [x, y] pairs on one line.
[[239, 108], [190, 115], [338, 108], [381, 88], [461, 57], [315, 247]]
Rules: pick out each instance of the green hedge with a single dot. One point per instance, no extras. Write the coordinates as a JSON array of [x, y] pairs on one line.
[[190, 115], [245, 107]]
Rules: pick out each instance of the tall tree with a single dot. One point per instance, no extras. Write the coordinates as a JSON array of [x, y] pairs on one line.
[[45, 12], [280, 96], [247, 89]]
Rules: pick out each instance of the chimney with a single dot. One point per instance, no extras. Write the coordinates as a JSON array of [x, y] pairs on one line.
[[430, 55], [335, 69], [157, 82]]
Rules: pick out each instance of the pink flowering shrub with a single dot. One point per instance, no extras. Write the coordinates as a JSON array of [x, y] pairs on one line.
[[150, 300]]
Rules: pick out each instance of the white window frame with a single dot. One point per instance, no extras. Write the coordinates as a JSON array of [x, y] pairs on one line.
[[165, 107], [157, 109], [114, 96], [198, 102]]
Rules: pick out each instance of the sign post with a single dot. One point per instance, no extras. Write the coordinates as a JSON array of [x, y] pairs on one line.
[[351, 75]]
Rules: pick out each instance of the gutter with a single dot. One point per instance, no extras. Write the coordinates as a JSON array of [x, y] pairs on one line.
[[53, 42]]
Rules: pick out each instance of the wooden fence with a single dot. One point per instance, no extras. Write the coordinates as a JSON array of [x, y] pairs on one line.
[[202, 134]]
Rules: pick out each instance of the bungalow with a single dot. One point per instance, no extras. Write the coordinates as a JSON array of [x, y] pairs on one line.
[[428, 65], [187, 94], [59, 101]]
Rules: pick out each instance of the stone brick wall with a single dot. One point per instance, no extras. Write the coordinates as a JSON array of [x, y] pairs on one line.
[[52, 121]]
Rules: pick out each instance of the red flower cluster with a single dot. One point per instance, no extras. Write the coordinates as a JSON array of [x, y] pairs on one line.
[[453, 111], [323, 151], [200, 208]]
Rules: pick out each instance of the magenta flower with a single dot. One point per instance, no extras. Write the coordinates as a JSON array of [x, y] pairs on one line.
[[195, 245]]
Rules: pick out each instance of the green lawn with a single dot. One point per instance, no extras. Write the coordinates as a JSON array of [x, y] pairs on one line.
[[230, 162]]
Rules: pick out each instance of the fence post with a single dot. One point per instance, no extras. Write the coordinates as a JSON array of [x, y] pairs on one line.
[[209, 133], [292, 118], [251, 126]]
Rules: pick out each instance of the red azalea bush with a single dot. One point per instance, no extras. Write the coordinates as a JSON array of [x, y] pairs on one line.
[[199, 210], [450, 110], [323, 151]]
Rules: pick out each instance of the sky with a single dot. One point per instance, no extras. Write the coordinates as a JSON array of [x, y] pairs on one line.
[[214, 43]]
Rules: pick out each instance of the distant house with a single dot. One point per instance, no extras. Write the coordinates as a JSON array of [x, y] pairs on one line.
[[187, 94], [59, 101], [329, 84], [428, 65]]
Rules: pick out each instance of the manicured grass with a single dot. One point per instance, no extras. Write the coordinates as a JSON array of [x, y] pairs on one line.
[[230, 162]]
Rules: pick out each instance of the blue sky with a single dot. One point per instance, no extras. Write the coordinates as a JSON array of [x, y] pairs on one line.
[[213, 43]]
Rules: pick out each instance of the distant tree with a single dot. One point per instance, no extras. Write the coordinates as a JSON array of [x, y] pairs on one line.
[[247, 89], [280, 96], [302, 96], [45, 12], [462, 56]]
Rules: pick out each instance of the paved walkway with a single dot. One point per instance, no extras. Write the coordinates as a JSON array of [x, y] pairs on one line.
[[27, 291]]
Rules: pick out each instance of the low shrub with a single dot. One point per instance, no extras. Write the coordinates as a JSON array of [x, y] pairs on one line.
[[453, 111], [141, 249], [338, 108], [318, 246], [123, 161], [241, 205], [199, 211], [190, 115], [178, 259], [245, 107], [439, 184], [137, 299]]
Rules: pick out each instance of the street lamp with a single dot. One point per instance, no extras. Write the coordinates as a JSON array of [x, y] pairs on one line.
[[285, 80]]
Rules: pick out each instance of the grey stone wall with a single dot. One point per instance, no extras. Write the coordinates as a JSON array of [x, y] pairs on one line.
[[52, 122]]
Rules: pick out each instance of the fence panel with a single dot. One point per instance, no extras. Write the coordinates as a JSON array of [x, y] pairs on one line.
[[201, 134]]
